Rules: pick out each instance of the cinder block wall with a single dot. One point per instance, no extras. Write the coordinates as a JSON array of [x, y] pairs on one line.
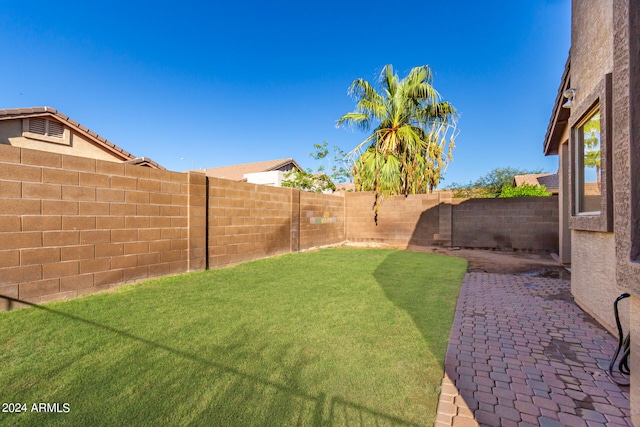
[[250, 221], [526, 224], [322, 220], [401, 220], [523, 223], [70, 226], [247, 221]]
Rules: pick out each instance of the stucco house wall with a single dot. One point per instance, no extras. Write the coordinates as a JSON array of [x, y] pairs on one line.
[[593, 261], [592, 270], [604, 67], [626, 173], [273, 178], [591, 45]]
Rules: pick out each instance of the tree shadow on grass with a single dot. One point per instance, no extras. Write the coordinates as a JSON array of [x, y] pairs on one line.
[[220, 395], [427, 294]]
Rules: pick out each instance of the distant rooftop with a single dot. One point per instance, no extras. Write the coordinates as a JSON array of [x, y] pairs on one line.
[[237, 172], [549, 180]]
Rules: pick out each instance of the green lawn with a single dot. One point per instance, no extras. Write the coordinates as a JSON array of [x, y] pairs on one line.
[[326, 338]]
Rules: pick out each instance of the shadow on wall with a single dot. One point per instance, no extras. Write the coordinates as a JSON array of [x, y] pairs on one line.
[[223, 395], [427, 229], [527, 224]]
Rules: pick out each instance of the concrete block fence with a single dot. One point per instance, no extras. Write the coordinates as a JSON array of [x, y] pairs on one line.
[[71, 226], [527, 224]]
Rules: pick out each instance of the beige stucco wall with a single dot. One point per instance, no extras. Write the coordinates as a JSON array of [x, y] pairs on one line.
[[564, 232], [635, 360], [591, 45], [593, 254], [11, 134], [593, 272], [626, 172], [9, 129], [598, 26]]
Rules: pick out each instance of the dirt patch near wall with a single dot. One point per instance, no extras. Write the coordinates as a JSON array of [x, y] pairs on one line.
[[520, 263], [502, 262]]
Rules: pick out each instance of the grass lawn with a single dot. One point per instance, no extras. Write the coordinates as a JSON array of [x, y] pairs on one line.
[[326, 338]]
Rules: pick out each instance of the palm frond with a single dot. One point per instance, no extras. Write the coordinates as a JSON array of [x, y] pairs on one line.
[[373, 108], [389, 80], [359, 149], [420, 74], [362, 89], [441, 110], [355, 120]]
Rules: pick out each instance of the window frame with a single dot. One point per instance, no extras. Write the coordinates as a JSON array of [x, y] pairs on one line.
[[579, 148], [601, 99]]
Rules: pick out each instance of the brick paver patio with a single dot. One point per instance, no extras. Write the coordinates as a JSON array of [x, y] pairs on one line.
[[522, 353]]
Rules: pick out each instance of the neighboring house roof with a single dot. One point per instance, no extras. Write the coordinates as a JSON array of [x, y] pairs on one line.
[[346, 186], [237, 172], [559, 116], [549, 180], [105, 144], [145, 161]]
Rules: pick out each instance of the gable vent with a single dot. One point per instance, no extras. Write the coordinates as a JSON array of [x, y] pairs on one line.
[[42, 126], [56, 129], [38, 125]]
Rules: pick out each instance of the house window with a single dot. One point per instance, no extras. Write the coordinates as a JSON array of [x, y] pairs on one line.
[[590, 147], [589, 167], [43, 129]]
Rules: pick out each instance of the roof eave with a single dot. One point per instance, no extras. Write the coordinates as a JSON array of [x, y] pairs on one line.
[[284, 162], [145, 161], [559, 115]]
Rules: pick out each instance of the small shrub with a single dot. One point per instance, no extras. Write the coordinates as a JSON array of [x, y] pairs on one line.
[[475, 193], [315, 183], [525, 190]]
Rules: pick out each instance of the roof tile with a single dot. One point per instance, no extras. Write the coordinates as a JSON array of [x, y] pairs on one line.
[[549, 180]]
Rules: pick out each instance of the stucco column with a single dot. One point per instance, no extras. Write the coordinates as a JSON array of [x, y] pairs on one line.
[[564, 233]]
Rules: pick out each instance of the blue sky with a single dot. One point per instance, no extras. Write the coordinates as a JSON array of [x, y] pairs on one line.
[[220, 83]]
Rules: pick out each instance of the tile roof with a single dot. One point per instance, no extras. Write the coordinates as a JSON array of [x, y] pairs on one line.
[[346, 186], [20, 113], [549, 180], [237, 172], [145, 161]]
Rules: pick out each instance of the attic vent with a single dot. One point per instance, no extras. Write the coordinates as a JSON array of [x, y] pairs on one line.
[[56, 129], [42, 126], [38, 125], [46, 130]]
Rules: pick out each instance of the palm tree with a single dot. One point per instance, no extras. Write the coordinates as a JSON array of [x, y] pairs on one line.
[[414, 138]]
